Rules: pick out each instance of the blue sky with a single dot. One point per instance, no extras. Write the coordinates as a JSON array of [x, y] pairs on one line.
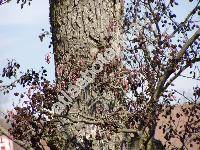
[[19, 30]]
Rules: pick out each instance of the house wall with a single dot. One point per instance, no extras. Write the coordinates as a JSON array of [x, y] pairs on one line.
[[5, 143]]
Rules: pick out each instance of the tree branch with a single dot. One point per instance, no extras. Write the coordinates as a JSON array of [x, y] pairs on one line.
[[190, 77], [186, 45], [170, 70], [126, 131], [179, 73], [185, 21], [75, 120], [182, 94], [100, 122]]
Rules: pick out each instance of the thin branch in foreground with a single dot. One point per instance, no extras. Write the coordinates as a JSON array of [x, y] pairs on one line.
[[190, 77], [178, 58], [187, 44], [123, 130], [183, 95], [179, 73], [185, 21]]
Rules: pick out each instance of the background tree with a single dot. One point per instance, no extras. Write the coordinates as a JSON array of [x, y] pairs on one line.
[[155, 50]]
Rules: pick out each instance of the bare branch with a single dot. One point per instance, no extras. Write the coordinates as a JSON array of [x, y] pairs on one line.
[[185, 21], [183, 95], [186, 45], [179, 73], [84, 121], [190, 77], [170, 70], [75, 120], [126, 131], [99, 122], [4, 87]]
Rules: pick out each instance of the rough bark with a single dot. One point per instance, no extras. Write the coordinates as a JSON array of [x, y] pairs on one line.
[[78, 26], [79, 29]]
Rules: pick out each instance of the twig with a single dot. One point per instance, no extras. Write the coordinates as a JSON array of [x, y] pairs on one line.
[[170, 70], [189, 77], [126, 131], [179, 73], [183, 95], [185, 21]]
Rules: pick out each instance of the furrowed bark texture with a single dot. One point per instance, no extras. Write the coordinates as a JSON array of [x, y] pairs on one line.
[[78, 27]]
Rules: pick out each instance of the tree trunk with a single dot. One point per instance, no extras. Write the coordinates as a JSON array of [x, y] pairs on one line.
[[77, 27], [80, 29]]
